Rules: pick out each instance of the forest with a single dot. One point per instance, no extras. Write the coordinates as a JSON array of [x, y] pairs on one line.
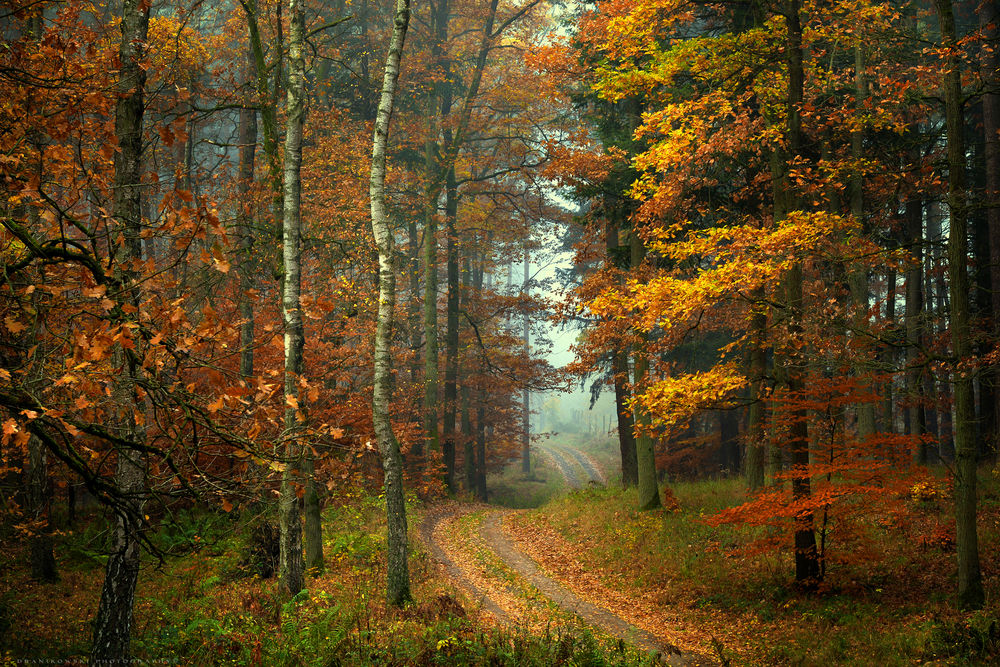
[[282, 282]]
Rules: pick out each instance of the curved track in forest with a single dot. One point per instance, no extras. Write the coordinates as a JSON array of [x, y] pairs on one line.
[[586, 463], [565, 466], [432, 518], [494, 535]]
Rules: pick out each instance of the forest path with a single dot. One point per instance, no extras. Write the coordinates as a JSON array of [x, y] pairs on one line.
[[587, 464], [563, 457], [485, 552]]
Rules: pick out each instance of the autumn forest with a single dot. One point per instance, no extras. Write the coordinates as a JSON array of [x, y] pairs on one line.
[[283, 284]]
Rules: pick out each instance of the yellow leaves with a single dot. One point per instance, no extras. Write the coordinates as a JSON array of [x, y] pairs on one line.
[[676, 399]]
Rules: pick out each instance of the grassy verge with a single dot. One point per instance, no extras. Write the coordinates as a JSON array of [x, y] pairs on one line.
[[891, 604]]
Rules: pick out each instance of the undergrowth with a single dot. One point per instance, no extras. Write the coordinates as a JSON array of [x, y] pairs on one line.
[[201, 607]]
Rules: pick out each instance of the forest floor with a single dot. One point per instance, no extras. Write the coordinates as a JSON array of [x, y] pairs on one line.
[[558, 569], [690, 593]]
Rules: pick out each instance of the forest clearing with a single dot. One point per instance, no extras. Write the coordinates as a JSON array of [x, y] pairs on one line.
[[500, 332]]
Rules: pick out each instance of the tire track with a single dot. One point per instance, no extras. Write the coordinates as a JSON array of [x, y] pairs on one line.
[[496, 538], [586, 463], [565, 467], [430, 522]]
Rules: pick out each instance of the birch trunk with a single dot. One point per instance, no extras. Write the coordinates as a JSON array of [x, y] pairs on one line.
[[291, 567], [398, 573]]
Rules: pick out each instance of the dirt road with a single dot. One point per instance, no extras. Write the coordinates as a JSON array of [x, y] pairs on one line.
[[483, 551]]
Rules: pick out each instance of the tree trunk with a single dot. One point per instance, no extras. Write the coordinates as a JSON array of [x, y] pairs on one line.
[[397, 571], [988, 18], [970, 584], [917, 420], [435, 172], [887, 356], [431, 438], [858, 279], [451, 333], [729, 441], [469, 451], [247, 155], [645, 455], [43, 563], [754, 465], [619, 370], [526, 393], [291, 567], [482, 493], [626, 425], [807, 570], [113, 625], [267, 99]]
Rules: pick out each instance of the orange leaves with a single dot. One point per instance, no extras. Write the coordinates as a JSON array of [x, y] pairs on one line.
[[219, 261], [13, 325]]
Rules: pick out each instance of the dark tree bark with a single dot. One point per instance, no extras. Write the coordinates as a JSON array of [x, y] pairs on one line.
[[267, 99], [729, 434], [113, 625], [913, 321], [619, 371], [247, 155], [970, 583], [645, 454], [757, 413], [807, 570], [451, 332], [858, 279], [988, 18], [43, 562]]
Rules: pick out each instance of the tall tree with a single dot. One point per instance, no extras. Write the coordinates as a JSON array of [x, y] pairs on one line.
[[113, 625], [398, 572], [970, 582], [806, 556], [291, 567]]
